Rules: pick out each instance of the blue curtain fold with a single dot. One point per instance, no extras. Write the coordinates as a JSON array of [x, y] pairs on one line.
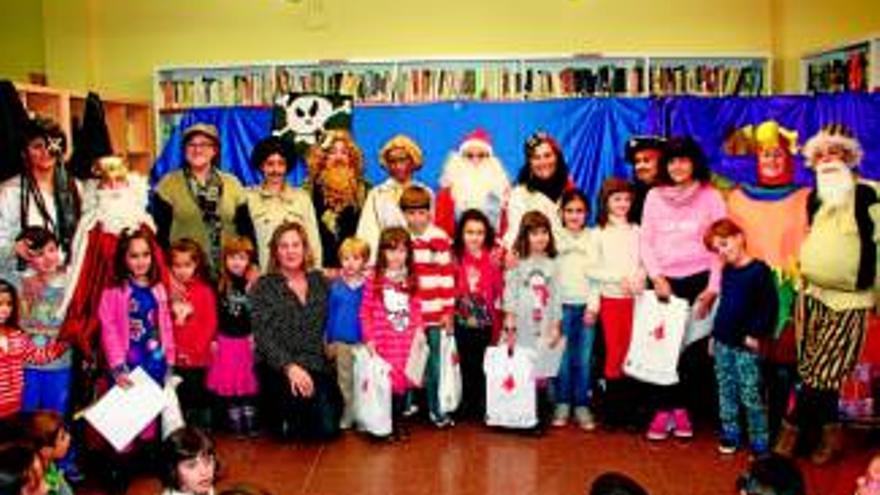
[[591, 131]]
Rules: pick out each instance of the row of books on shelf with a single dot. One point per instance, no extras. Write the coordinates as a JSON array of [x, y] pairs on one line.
[[504, 82], [223, 90], [707, 80], [847, 71]]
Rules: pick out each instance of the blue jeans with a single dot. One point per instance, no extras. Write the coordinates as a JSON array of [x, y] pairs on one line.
[[46, 389], [739, 384], [573, 381]]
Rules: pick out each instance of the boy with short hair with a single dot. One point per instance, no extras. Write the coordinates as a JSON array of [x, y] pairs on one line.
[[343, 326], [746, 312], [435, 273]]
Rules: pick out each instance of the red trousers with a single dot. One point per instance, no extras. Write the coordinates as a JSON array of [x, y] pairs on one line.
[[616, 315]]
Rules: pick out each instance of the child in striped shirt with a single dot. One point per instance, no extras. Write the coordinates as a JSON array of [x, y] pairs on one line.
[[435, 276], [16, 349]]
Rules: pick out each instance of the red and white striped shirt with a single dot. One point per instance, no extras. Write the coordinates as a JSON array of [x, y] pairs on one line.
[[435, 272], [16, 349]]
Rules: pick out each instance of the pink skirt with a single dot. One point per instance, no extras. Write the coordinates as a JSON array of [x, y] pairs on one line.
[[232, 371]]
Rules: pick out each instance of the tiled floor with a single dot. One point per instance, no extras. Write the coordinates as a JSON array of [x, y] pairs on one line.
[[470, 459]]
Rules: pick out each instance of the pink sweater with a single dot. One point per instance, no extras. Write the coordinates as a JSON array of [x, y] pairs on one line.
[[115, 326], [673, 224], [376, 317]]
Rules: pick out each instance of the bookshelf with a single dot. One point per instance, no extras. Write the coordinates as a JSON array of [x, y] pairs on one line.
[[708, 76], [129, 122], [849, 67], [422, 80]]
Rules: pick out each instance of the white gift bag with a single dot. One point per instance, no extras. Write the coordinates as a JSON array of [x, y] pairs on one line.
[[372, 392], [699, 328], [511, 391], [449, 388], [417, 360], [172, 416], [658, 333]]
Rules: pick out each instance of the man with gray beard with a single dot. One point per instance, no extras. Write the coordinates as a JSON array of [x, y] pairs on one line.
[[838, 263]]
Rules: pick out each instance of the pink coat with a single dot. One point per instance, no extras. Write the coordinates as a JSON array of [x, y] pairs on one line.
[[673, 225], [392, 345], [115, 327]]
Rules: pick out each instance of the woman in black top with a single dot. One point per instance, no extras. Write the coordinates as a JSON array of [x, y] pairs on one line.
[[289, 309]]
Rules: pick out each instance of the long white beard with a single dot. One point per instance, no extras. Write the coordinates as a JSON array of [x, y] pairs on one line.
[[835, 187], [471, 184]]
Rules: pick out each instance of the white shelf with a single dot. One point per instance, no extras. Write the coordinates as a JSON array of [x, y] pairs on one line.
[[396, 80]]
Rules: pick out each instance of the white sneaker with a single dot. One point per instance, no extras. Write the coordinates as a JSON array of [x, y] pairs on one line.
[[584, 418], [561, 415]]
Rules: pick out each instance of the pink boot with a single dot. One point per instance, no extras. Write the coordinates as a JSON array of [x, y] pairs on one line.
[[682, 424], [660, 426]]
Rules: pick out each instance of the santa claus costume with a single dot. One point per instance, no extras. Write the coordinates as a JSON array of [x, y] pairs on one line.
[[113, 202], [773, 216], [838, 263], [473, 178]]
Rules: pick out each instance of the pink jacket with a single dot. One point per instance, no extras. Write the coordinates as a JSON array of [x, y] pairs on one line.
[[113, 313], [673, 224], [391, 344]]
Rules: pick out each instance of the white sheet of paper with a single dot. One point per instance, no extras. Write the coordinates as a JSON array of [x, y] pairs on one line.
[[548, 359], [121, 414]]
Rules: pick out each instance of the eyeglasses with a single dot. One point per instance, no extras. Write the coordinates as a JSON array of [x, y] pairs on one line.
[[200, 144]]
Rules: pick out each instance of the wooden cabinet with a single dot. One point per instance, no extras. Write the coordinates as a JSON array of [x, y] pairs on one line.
[[128, 121]]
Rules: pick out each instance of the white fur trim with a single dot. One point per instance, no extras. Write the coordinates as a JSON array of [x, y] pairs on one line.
[[477, 143]]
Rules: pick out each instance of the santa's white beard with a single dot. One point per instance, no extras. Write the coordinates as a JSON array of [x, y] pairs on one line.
[[835, 183], [470, 184]]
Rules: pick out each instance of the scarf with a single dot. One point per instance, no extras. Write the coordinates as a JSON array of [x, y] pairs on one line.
[[207, 196]]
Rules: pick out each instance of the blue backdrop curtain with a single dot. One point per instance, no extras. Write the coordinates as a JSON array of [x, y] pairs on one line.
[[591, 131], [709, 120]]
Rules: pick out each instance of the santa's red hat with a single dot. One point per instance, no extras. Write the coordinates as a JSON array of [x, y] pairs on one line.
[[478, 138]]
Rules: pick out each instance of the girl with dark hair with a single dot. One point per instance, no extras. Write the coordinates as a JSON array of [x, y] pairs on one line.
[[274, 201], [43, 195], [301, 397], [391, 315], [620, 277], [47, 431], [676, 216], [194, 309], [136, 328], [16, 351], [532, 296], [136, 331], [540, 184], [21, 471], [189, 463], [580, 309], [479, 285]]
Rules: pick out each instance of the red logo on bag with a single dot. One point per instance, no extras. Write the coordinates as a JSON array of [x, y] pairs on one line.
[[455, 359], [508, 384], [659, 333]]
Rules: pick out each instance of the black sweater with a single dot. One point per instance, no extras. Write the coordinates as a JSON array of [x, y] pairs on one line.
[[286, 331], [749, 304]]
